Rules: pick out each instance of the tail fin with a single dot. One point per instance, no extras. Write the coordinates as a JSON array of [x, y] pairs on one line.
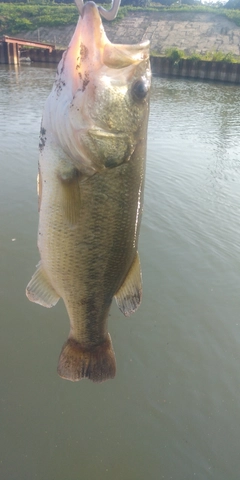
[[97, 363]]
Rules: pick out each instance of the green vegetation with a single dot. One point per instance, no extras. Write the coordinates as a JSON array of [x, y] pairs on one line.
[[233, 15], [232, 4], [17, 17], [175, 55], [221, 57]]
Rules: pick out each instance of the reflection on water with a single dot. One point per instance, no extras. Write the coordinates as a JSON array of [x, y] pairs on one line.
[[173, 409]]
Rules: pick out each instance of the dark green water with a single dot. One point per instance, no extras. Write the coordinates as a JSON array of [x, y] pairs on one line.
[[173, 411]]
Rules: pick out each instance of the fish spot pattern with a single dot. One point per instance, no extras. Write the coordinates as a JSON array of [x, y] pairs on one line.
[[83, 52], [83, 77], [42, 139], [59, 84], [85, 81], [63, 61]]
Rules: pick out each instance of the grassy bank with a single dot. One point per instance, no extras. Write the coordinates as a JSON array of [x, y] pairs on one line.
[[175, 54], [18, 17], [15, 18]]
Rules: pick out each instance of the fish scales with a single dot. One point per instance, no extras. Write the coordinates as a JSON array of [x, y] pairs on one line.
[[91, 179], [100, 245]]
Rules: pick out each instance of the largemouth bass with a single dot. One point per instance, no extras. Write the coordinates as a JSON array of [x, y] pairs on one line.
[[90, 185]]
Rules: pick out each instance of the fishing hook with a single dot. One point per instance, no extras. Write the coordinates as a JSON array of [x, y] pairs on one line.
[[108, 14]]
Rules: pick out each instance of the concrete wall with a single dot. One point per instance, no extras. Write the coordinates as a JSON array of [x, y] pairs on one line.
[[189, 31], [225, 72], [41, 55], [8, 53]]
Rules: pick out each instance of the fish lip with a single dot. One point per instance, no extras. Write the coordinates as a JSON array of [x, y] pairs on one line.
[[91, 28], [96, 40], [91, 12]]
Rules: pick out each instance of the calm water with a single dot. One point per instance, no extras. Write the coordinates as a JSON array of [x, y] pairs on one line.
[[173, 411]]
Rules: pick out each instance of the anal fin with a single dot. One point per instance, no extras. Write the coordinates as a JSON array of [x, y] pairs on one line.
[[129, 295], [39, 290]]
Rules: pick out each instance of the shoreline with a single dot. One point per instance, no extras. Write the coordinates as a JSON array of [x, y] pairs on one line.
[[191, 32], [162, 66]]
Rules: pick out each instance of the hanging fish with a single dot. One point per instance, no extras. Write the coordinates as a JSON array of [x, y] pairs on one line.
[[90, 185]]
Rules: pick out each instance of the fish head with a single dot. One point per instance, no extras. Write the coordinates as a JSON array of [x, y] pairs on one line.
[[100, 99]]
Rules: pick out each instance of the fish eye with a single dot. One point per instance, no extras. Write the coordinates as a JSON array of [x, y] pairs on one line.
[[140, 89]]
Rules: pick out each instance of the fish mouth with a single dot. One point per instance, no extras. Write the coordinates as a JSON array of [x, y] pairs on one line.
[[91, 20], [90, 8], [93, 36], [109, 14]]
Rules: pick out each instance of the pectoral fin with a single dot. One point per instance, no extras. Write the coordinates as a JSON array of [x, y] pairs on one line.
[[39, 289], [70, 192], [129, 296]]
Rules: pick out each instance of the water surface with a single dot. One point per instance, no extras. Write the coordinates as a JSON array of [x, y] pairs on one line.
[[173, 410]]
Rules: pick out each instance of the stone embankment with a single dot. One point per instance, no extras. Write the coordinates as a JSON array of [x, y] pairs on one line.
[[191, 32]]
